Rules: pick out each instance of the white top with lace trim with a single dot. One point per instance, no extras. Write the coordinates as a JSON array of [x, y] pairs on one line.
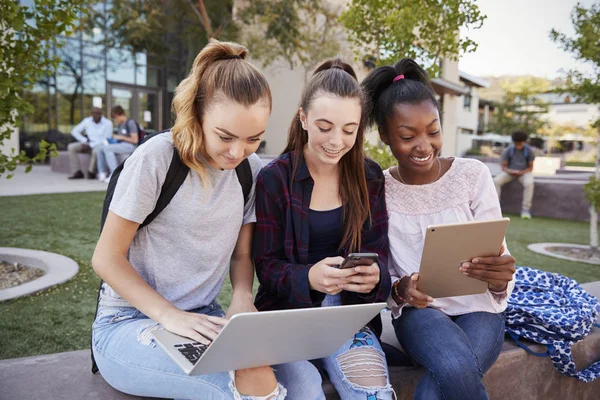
[[464, 193]]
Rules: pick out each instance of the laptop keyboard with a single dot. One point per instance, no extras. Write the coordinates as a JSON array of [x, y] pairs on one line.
[[192, 351]]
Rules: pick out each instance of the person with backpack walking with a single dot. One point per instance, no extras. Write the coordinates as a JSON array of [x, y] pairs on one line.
[[315, 204], [457, 339], [517, 163], [124, 141], [166, 274]]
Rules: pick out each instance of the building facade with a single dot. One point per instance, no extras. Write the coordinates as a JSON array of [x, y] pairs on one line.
[[91, 74]]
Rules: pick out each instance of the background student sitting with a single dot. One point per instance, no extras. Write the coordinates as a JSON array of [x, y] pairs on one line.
[[97, 129], [517, 163], [124, 142]]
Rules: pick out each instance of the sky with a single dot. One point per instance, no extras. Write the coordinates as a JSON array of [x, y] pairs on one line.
[[514, 39]]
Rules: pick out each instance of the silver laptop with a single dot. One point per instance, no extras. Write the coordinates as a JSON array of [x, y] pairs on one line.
[[269, 338]]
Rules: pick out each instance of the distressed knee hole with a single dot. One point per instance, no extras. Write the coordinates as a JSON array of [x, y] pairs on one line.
[[144, 335], [279, 393], [364, 366]]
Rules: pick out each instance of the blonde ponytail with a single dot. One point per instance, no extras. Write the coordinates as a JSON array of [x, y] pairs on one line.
[[219, 69]]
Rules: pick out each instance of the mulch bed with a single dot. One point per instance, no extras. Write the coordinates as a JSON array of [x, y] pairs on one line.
[[14, 274], [575, 252]]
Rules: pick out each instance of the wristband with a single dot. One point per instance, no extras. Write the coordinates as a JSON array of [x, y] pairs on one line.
[[395, 289]]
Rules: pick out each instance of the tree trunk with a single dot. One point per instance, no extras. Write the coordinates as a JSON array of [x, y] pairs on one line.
[[593, 213]]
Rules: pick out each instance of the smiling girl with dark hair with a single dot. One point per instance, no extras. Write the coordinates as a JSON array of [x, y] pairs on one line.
[[457, 338]]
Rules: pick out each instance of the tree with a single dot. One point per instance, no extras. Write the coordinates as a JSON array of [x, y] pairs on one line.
[[300, 32], [26, 38], [163, 27], [519, 110], [585, 47], [296, 31], [426, 30]]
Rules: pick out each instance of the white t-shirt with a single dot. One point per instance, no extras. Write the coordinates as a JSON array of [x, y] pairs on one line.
[[184, 254], [464, 193]]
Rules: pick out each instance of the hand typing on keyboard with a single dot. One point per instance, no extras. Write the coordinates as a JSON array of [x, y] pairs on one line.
[[199, 327]]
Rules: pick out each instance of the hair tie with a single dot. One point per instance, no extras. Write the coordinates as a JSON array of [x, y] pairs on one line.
[[398, 78]]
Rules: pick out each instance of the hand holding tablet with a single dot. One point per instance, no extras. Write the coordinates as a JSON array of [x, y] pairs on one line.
[[463, 259]]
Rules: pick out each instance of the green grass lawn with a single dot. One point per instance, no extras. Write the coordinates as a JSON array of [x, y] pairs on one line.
[[579, 164], [59, 319]]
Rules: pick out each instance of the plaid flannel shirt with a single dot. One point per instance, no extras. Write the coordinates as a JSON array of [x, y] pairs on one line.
[[281, 237]]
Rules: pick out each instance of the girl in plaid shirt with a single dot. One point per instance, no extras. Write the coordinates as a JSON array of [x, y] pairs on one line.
[[315, 204]]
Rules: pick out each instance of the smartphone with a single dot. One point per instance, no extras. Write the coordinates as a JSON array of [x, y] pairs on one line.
[[355, 259]]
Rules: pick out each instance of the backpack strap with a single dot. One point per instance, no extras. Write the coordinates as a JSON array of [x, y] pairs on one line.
[[176, 175], [244, 174], [516, 338], [511, 153]]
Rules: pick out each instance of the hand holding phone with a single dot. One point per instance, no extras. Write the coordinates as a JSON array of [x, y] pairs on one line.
[[366, 270], [356, 259]]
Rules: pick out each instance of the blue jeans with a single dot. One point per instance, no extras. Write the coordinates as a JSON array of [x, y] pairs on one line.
[[107, 155], [130, 361], [359, 360], [456, 350]]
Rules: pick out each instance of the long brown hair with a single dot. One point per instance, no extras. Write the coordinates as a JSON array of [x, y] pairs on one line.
[[338, 78], [219, 71]]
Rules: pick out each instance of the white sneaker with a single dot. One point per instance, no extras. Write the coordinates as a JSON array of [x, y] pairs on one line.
[[101, 176], [525, 214]]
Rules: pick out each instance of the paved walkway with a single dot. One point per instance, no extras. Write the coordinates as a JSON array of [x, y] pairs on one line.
[[42, 180]]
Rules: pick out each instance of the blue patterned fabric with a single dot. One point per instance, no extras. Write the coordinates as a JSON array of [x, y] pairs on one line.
[[553, 310]]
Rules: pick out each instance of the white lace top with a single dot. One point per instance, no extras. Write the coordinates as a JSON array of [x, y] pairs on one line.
[[465, 192]]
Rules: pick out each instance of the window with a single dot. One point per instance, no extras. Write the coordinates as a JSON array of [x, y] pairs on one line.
[[467, 102]]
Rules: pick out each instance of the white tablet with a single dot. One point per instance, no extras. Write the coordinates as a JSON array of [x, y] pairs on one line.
[[448, 246]]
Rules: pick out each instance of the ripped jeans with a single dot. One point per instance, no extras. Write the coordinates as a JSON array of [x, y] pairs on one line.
[[131, 362], [358, 370]]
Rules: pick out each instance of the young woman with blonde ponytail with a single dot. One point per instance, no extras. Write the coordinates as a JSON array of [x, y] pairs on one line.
[[168, 274]]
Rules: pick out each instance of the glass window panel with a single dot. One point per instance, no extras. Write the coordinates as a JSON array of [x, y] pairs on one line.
[[172, 81], [93, 49], [94, 80], [141, 75], [141, 59], [120, 66], [148, 111], [153, 77], [124, 98], [69, 86]]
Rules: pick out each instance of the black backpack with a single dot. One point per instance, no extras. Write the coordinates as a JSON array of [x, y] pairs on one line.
[[140, 131], [175, 177]]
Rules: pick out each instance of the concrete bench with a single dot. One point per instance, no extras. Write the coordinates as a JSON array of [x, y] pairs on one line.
[[60, 163], [554, 197], [516, 374]]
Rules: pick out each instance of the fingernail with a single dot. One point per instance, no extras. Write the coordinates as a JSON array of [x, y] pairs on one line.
[[430, 299], [475, 260], [464, 265], [466, 273]]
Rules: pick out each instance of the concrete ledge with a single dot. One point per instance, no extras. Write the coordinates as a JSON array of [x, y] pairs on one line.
[[58, 269], [516, 375], [60, 163], [552, 197]]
